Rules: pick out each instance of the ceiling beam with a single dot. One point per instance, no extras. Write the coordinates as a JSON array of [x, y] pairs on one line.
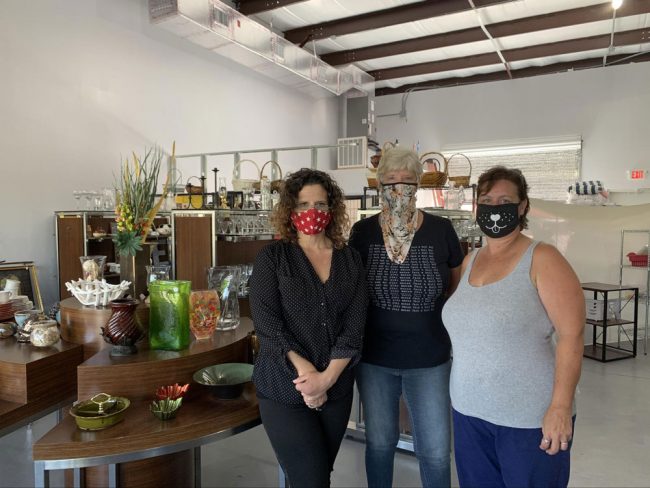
[[384, 18], [517, 73], [252, 7], [623, 38], [563, 18]]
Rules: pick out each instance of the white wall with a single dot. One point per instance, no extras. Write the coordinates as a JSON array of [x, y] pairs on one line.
[[608, 107], [84, 82]]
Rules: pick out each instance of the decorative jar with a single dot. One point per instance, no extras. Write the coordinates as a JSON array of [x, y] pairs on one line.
[[169, 316], [44, 333], [204, 313], [122, 329]]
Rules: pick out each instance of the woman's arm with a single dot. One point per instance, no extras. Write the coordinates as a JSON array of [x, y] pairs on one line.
[[454, 279], [268, 319], [560, 292]]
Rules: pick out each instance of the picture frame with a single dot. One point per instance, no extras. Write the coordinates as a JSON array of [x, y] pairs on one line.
[[25, 272]]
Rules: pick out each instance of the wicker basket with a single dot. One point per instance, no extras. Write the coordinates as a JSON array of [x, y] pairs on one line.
[[640, 260], [276, 185], [241, 184], [437, 177], [193, 189], [456, 179]]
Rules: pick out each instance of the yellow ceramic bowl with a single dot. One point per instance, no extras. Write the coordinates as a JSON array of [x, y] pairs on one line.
[[87, 415]]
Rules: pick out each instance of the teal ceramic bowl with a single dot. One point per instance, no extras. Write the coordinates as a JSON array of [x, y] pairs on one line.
[[225, 381]]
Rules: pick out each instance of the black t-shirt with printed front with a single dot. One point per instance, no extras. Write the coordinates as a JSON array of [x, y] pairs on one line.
[[404, 327]]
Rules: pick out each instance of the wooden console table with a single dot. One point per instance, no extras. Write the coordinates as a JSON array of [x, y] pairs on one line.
[[35, 381], [142, 450]]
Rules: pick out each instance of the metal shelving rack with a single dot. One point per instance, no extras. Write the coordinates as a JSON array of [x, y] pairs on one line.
[[646, 296]]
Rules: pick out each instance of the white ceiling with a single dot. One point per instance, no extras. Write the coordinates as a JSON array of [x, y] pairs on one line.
[[311, 12]]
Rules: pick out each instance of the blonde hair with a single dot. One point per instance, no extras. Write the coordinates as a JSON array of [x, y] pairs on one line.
[[396, 159]]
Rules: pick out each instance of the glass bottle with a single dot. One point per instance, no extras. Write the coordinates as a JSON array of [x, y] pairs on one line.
[[265, 191], [169, 315]]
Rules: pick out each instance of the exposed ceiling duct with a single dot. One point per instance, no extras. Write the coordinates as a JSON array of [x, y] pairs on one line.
[[218, 27]]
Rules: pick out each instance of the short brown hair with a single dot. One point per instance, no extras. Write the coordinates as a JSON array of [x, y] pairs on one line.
[[281, 217], [497, 173]]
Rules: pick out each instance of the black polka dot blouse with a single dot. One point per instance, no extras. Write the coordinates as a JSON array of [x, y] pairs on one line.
[[294, 311]]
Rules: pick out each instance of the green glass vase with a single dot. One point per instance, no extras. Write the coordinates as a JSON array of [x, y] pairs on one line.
[[169, 315]]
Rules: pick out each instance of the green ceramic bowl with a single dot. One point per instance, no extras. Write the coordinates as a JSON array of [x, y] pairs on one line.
[[225, 380], [87, 415]]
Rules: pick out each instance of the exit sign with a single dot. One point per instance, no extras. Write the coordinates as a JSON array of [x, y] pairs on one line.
[[636, 174]]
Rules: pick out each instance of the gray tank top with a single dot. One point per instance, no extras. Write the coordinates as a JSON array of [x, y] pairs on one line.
[[503, 354]]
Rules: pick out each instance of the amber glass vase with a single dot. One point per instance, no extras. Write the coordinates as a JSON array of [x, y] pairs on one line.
[[204, 313]]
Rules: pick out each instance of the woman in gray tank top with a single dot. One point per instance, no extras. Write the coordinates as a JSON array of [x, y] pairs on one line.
[[512, 390]]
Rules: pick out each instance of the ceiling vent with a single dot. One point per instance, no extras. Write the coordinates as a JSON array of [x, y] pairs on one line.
[[218, 27]]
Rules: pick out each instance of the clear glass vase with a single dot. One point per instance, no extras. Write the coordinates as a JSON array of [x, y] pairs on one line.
[[92, 267], [169, 315], [225, 279]]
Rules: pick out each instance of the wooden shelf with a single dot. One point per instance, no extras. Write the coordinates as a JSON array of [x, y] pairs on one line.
[[35, 380], [610, 323]]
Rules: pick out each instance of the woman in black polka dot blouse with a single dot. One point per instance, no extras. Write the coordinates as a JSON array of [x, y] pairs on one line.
[[308, 301]]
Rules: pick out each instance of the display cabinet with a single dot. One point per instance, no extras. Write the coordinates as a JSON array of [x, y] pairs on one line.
[[468, 232], [206, 238], [86, 233]]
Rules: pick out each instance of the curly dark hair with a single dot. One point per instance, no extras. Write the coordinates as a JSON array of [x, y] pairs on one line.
[[497, 173], [281, 216]]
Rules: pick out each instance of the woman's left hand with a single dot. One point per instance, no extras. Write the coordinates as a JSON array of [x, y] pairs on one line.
[[557, 430], [312, 383]]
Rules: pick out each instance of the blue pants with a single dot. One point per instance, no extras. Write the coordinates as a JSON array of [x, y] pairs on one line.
[[491, 456], [426, 393]]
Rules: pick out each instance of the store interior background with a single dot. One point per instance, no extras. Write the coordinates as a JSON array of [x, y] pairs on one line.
[[84, 83]]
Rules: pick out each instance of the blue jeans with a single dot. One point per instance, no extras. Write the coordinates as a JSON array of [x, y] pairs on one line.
[[495, 456], [426, 393]]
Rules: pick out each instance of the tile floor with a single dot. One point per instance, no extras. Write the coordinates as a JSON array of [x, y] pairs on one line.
[[611, 448]]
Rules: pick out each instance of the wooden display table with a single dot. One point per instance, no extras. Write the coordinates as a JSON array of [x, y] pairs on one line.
[[142, 450], [82, 325], [35, 381]]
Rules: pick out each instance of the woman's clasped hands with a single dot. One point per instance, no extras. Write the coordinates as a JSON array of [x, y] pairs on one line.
[[313, 387]]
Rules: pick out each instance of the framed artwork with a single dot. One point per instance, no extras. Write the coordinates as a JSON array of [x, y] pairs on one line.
[[25, 274]]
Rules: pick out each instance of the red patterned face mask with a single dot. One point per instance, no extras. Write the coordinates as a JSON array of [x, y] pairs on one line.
[[312, 221]]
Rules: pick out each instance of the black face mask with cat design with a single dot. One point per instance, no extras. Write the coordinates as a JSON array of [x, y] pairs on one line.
[[497, 220]]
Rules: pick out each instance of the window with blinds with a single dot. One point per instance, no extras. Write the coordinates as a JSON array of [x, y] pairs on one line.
[[550, 168]]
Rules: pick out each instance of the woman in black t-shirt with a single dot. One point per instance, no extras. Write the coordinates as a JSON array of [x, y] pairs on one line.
[[413, 262], [308, 300]]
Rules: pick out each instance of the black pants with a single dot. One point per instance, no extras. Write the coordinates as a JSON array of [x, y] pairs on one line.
[[306, 441]]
